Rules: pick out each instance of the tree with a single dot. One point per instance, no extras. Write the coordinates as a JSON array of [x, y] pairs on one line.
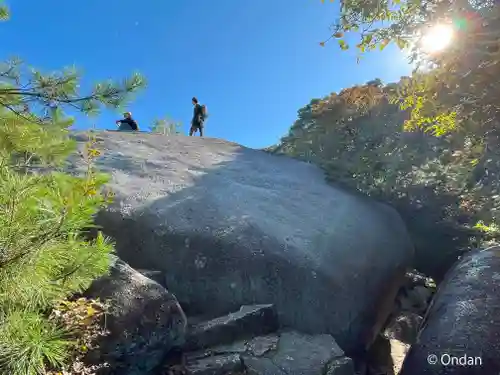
[[44, 212], [377, 82], [456, 94], [451, 95], [166, 127], [357, 137]]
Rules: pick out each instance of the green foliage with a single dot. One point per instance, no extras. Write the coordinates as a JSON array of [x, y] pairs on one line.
[[4, 12], [453, 94], [430, 146], [45, 255], [57, 89], [438, 184], [166, 127], [29, 343]]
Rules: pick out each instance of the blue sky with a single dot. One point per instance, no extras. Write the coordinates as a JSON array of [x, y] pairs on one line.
[[253, 63]]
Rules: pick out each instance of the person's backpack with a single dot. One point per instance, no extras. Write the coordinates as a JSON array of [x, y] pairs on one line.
[[203, 112]]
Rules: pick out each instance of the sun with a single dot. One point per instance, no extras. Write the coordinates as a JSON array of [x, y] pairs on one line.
[[437, 38]]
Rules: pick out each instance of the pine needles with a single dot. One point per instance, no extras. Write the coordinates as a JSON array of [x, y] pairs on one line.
[[45, 256]]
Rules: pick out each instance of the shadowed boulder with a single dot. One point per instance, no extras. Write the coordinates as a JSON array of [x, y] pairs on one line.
[[248, 321], [233, 226], [461, 331], [145, 320]]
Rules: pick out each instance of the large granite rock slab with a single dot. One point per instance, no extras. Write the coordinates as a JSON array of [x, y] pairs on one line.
[[234, 226]]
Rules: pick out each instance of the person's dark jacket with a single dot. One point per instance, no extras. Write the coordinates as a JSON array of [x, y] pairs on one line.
[[197, 115], [131, 122]]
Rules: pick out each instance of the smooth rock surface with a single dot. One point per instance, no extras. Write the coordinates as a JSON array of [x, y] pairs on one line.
[[145, 320], [461, 331], [233, 226]]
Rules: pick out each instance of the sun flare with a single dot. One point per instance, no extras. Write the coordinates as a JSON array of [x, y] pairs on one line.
[[437, 38]]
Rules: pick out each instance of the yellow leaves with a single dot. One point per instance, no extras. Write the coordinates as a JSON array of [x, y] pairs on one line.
[[91, 311], [490, 229], [91, 192], [93, 153]]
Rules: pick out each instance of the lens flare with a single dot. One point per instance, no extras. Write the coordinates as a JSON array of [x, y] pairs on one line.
[[437, 38]]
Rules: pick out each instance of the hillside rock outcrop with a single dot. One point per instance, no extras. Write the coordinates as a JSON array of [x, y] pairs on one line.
[[233, 226]]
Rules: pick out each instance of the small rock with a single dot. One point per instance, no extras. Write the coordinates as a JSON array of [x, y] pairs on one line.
[[300, 354], [248, 321], [297, 354], [215, 365], [341, 366], [257, 347], [263, 344], [261, 366], [403, 327]]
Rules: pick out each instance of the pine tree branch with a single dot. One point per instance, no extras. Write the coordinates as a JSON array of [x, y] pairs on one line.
[[39, 241], [41, 95], [17, 113], [65, 276]]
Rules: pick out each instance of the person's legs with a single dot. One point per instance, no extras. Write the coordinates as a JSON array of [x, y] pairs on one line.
[[201, 130], [191, 131]]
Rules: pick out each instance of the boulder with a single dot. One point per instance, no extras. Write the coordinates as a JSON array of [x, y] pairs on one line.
[[145, 320], [300, 354], [234, 226], [285, 353], [461, 329], [248, 321]]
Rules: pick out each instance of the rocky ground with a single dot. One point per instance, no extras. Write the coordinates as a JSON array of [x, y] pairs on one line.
[[248, 341]]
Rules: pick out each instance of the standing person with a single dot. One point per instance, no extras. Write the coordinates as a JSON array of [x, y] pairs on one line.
[[199, 115], [128, 120]]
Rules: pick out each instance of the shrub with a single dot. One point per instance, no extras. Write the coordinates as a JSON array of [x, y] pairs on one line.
[[44, 256]]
